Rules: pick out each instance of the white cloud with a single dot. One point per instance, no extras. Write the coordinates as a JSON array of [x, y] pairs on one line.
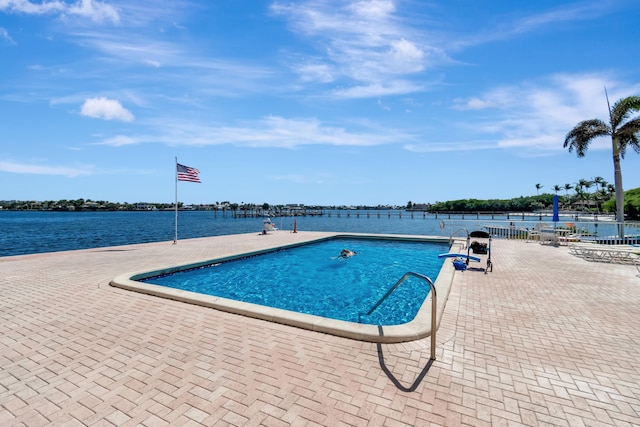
[[513, 26], [276, 131], [270, 131], [366, 43], [531, 117], [473, 104], [315, 72], [373, 8], [438, 147], [538, 115], [25, 6], [154, 64], [94, 10], [183, 64], [120, 140], [24, 168], [501, 98], [559, 15], [298, 179], [382, 105], [396, 87], [4, 35], [107, 109], [406, 56]]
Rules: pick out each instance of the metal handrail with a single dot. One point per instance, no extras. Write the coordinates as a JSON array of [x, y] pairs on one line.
[[456, 232], [433, 304]]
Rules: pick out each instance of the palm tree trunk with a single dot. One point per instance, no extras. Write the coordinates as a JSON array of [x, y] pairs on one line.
[[617, 174]]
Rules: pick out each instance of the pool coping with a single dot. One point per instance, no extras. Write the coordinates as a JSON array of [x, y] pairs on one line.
[[418, 328]]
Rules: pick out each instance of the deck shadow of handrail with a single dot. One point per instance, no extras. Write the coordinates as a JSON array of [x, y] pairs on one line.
[[390, 375]]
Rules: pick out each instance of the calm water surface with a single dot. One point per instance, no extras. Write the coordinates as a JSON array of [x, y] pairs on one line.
[[29, 232]]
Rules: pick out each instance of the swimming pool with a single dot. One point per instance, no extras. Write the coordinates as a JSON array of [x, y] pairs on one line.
[[310, 286], [315, 279]]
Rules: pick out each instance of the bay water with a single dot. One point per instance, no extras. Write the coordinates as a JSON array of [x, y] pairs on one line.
[[30, 232]]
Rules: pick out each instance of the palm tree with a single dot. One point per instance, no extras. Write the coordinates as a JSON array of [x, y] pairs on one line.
[[582, 184], [580, 193], [586, 185], [567, 187], [599, 182], [538, 187], [624, 132], [556, 188], [582, 196]]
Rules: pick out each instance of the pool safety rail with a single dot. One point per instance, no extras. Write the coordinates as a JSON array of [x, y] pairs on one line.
[[455, 233], [433, 304]]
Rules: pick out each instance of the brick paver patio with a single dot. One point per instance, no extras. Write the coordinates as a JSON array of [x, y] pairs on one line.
[[545, 339]]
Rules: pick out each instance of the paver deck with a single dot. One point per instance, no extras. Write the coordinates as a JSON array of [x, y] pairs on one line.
[[547, 338]]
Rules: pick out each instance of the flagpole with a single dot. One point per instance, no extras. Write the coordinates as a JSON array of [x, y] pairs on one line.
[[183, 173], [175, 169]]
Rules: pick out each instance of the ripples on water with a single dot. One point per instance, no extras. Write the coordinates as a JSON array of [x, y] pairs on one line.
[[29, 232]]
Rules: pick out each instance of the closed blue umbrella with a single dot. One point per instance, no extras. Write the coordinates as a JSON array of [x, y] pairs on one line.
[[556, 217]]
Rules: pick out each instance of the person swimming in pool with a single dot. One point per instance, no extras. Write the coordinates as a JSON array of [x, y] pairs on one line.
[[346, 253]]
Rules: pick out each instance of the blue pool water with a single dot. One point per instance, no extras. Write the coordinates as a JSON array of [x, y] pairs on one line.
[[313, 279]]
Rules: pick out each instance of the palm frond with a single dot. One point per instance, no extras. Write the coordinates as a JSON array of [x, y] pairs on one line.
[[583, 133], [622, 109], [630, 128], [628, 136]]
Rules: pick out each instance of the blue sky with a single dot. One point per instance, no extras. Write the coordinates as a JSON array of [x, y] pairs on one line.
[[313, 102]]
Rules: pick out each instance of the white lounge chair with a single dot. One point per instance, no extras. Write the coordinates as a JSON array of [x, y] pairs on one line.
[[570, 238], [619, 254]]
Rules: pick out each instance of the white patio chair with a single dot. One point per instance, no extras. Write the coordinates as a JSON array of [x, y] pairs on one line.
[[548, 236], [534, 234]]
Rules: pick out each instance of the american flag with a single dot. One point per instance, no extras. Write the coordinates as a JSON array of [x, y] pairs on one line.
[[185, 173]]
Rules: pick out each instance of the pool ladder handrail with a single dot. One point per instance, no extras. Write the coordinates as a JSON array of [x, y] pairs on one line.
[[433, 304], [456, 232]]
